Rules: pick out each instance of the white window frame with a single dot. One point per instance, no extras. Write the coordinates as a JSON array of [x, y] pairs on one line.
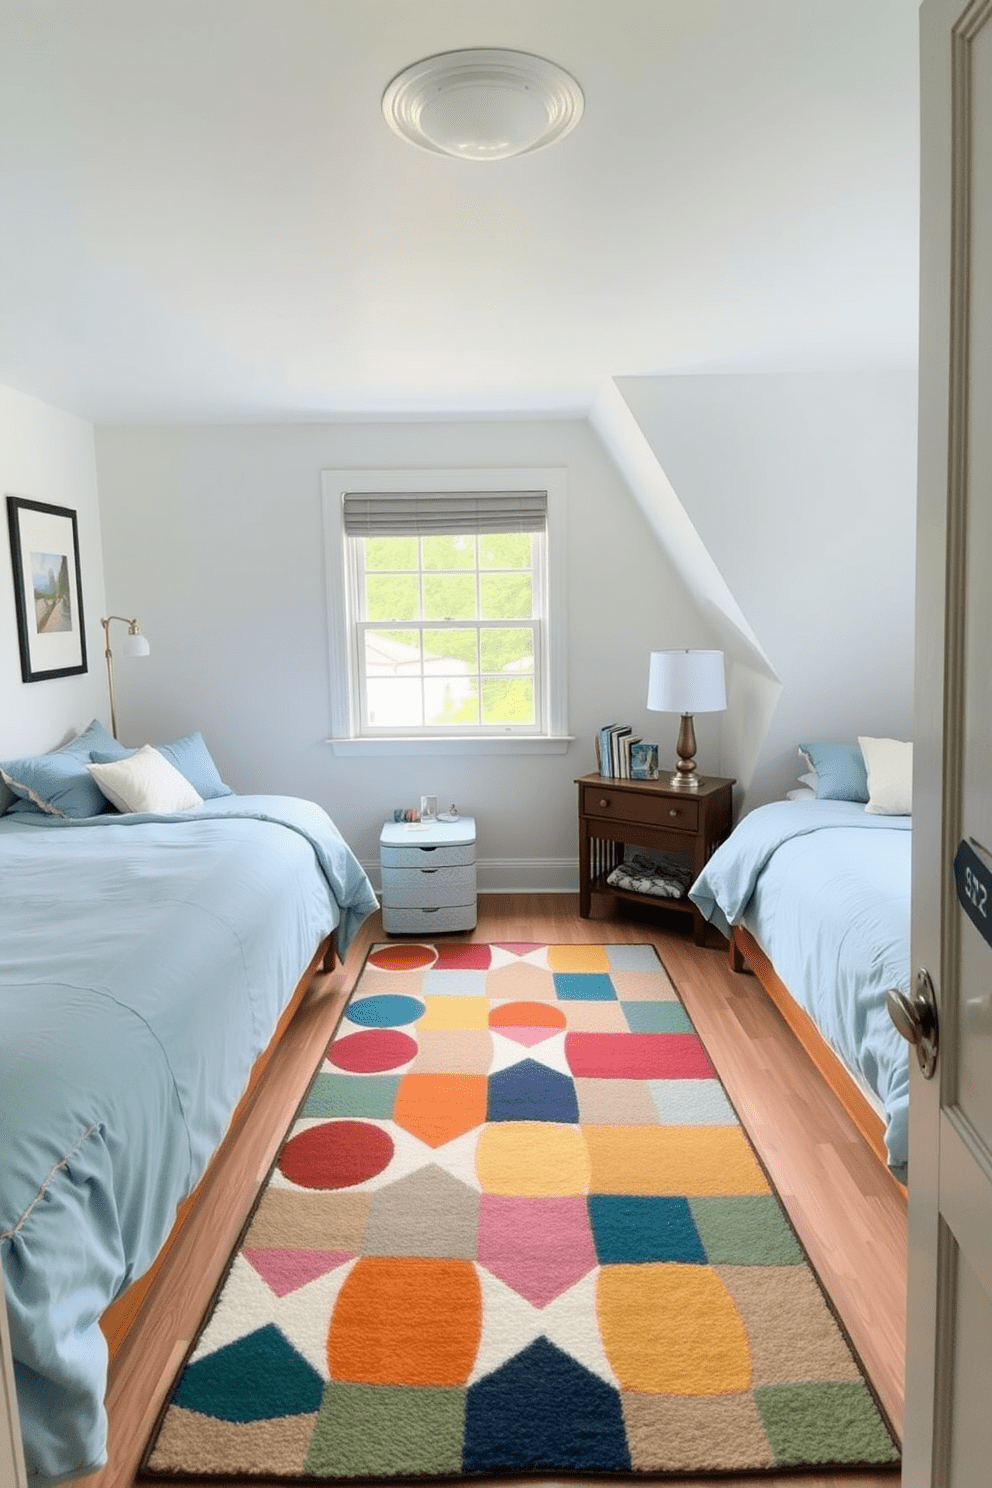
[[346, 737]]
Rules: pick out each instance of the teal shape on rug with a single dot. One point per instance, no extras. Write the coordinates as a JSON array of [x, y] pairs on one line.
[[745, 1230], [823, 1421], [657, 1017], [530, 1091], [252, 1379], [636, 1229], [389, 1011], [543, 1412], [385, 1431], [374, 1096], [584, 986]]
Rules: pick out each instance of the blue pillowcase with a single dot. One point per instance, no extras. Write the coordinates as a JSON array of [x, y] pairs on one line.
[[840, 771], [190, 756], [60, 779]]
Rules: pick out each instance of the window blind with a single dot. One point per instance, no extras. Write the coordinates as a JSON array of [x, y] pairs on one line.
[[419, 514]]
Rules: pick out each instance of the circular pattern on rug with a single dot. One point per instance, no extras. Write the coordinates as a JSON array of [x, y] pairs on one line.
[[336, 1154], [385, 1012], [402, 957], [370, 1053]]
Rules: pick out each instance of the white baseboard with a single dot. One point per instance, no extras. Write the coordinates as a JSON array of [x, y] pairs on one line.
[[513, 875]]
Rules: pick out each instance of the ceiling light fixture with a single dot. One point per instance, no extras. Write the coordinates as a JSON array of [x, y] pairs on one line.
[[482, 103]]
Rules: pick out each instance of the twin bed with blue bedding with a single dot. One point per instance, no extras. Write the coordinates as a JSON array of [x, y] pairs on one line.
[[146, 960], [815, 895], [822, 889]]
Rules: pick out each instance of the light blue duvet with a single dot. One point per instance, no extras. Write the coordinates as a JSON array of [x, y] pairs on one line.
[[824, 887], [144, 963]]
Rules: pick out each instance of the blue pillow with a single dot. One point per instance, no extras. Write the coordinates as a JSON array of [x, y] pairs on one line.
[[191, 758], [59, 783], [840, 771]]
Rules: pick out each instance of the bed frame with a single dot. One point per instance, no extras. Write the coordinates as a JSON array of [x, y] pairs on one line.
[[745, 949], [121, 1314]]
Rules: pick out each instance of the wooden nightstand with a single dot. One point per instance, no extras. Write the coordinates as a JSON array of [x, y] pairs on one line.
[[648, 813]]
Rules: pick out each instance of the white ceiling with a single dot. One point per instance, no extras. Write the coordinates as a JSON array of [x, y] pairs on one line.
[[203, 215]]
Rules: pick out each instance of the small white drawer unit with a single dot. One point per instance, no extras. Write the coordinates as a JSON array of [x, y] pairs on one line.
[[428, 876]]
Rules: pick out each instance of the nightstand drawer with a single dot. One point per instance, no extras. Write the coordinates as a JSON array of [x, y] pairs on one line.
[[428, 922], [647, 810], [459, 856], [428, 888]]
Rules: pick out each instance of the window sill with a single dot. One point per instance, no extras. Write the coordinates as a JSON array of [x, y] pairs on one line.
[[518, 744]]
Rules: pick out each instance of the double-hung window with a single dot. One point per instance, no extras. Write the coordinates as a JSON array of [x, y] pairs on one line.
[[447, 622]]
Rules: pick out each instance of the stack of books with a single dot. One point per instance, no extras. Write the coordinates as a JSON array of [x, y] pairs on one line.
[[622, 756]]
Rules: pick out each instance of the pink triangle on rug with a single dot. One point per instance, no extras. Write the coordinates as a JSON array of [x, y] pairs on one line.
[[518, 947], [285, 1271], [527, 1036]]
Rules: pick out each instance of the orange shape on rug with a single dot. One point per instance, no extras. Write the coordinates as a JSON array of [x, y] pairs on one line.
[[438, 1108], [527, 1023], [406, 1321], [672, 1330]]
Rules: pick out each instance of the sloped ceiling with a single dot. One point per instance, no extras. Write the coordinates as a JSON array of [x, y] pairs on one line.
[[205, 216]]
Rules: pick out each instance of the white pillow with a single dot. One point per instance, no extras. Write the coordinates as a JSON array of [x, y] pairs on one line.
[[145, 781], [889, 766]]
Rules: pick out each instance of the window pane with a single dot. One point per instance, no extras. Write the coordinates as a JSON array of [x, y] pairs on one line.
[[506, 596], [392, 653], [508, 700], [505, 550], [507, 650], [448, 552], [394, 704], [449, 597], [451, 700], [390, 552], [392, 596], [459, 649]]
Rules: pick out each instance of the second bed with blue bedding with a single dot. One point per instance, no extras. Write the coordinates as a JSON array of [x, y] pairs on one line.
[[824, 888]]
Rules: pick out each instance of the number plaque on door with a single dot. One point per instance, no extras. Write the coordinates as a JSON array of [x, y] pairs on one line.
[[974, 884]]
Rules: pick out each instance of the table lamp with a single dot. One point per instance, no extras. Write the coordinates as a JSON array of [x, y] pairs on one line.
[[686, 682]]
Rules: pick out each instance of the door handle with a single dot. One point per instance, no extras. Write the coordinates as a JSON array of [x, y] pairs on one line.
[[916, 1019]]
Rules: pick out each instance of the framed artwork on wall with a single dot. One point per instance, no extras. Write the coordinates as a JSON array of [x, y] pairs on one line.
[[48, 591]]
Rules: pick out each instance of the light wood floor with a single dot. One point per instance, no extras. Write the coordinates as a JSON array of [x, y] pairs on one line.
[[848, 1213]]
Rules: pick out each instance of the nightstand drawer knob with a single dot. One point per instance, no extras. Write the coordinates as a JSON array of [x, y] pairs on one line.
[[604, 802], [673, 812]]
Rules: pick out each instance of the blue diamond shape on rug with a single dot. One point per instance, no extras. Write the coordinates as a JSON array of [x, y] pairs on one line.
[[542, 1411], [256, 1377], [529, 1091], [634, 1229]]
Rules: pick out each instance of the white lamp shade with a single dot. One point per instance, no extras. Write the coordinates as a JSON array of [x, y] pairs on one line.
[[687, 682], [135, 645]]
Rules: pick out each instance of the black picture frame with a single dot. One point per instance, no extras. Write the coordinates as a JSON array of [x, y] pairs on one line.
[[48, 589]]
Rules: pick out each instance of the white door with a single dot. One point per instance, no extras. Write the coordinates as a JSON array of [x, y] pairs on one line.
[[948, 1430]]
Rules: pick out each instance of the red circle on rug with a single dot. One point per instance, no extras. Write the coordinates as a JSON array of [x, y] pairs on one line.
[[373, 1050], [336, 1154], [402, 957]]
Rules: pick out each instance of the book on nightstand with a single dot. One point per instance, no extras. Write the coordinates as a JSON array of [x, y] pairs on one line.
[[643, 761]]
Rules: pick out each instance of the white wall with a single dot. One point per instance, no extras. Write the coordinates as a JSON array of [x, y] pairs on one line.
[[802, 490], [213, 538], [47, 455]]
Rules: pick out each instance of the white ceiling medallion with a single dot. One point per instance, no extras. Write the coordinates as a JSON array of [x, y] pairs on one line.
[[482, 103]]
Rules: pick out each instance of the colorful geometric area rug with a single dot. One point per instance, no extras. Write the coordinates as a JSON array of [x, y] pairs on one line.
[[516, 1227]]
